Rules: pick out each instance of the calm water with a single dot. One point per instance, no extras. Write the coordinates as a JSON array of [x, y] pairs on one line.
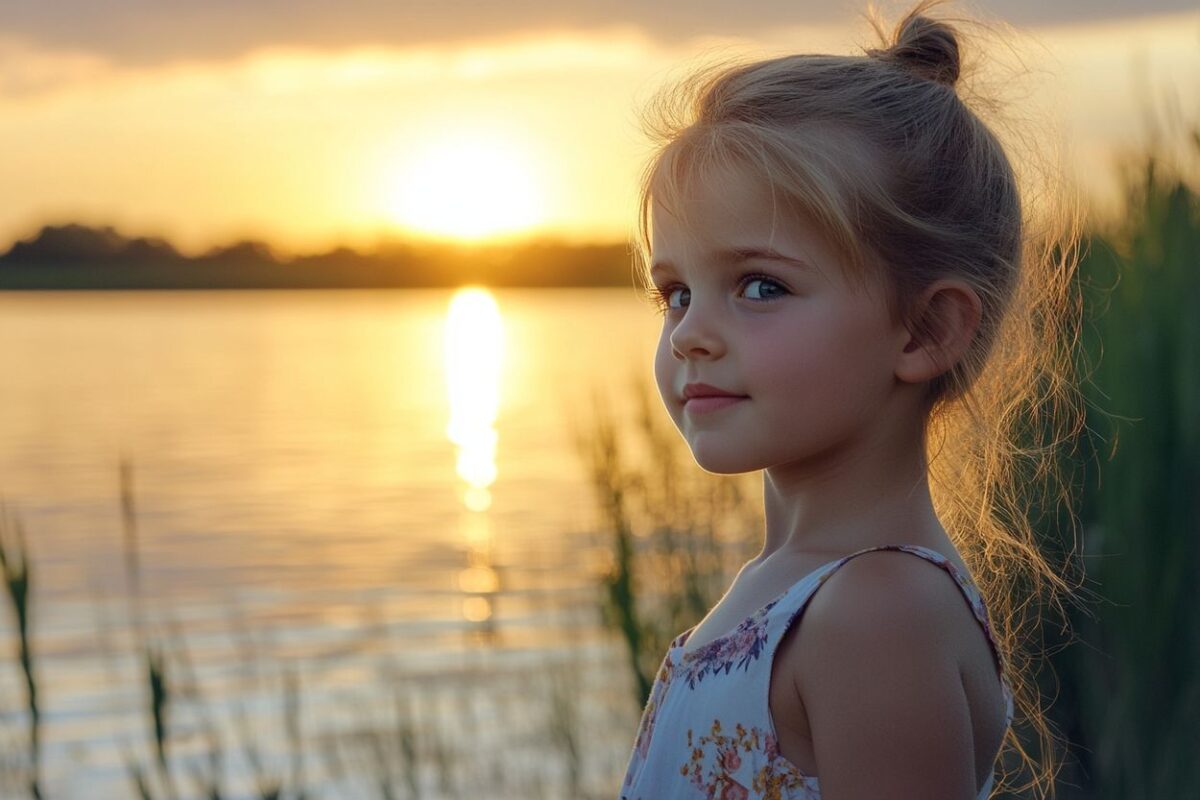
[[367, 488]]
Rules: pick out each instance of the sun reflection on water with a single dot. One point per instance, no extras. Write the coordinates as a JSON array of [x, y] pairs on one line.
[[474, 357], [474, 353]]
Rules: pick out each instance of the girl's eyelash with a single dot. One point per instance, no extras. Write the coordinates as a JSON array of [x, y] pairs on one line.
[[662, 303]]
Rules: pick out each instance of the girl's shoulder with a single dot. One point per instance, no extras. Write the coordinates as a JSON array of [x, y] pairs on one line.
[[879, 593], [928, 606], [889, 646]]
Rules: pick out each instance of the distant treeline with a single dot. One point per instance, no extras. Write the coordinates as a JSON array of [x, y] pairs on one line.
[[80, 257]]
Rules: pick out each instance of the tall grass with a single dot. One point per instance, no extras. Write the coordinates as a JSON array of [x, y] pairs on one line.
[[676, 533], [1131, 688], [14, 564], [382, 755]]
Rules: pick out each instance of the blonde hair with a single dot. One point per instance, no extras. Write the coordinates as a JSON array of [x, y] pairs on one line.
[[908, 183]]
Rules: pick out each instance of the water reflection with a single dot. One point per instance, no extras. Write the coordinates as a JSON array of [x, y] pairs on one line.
[[290, 521], [474, 356]]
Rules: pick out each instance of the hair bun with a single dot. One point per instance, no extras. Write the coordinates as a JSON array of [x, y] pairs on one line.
[[926, 47]]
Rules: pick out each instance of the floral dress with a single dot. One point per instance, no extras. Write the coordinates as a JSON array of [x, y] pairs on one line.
[[706, 731]]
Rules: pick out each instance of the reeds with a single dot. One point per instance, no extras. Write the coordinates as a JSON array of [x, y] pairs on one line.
[[382, 755], [1131, 690], [676, 533], [14, 563]]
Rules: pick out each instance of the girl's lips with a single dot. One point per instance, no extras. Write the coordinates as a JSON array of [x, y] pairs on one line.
[[703, 405]]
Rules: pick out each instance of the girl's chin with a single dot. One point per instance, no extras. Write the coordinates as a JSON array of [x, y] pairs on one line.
[[724, 463], [726, 471]]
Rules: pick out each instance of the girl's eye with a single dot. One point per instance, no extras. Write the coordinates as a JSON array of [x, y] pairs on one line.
[[763, 279], [663, 298], [670, 292]]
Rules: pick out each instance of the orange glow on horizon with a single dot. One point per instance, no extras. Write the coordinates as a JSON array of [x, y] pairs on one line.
[[472, 141]]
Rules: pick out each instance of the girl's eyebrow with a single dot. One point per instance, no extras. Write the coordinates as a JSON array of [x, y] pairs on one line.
[[736, 255]]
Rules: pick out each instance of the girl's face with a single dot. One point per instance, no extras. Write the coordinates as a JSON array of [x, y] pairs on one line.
[[765, 312]]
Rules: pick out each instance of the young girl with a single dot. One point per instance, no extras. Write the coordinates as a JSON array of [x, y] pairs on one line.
[[841, 255]]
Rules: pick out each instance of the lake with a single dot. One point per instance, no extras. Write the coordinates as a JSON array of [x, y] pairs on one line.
[[373, 494]]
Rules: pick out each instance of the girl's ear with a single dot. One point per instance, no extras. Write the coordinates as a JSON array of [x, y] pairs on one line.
[[943, 321]]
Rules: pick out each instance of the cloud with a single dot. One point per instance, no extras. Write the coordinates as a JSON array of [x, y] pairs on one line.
[[142, 33]]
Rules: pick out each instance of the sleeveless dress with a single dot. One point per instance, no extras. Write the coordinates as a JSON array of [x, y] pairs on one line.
[[706, 731]]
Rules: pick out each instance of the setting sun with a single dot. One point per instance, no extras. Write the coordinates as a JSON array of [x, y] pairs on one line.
[[465, 188]]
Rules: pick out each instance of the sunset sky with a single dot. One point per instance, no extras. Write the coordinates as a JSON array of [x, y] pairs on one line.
[[311, 124]]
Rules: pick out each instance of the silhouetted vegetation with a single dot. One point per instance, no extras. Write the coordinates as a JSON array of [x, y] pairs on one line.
[[1129, 690], [79, 257], [385, 758], [14, 564]]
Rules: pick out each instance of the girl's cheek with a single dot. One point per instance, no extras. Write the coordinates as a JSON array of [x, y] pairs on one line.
[[663, 372]]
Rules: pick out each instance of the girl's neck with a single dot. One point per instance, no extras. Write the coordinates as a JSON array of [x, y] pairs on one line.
[[874, 490]]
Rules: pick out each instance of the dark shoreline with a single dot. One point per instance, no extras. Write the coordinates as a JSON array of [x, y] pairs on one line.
[[76, 257]]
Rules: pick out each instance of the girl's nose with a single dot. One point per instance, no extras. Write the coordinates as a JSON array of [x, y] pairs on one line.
[[696, 336]]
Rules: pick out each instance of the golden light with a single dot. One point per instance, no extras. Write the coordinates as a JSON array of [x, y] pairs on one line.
[[476, 609], [474, 356], [478, 579], [466, 187]]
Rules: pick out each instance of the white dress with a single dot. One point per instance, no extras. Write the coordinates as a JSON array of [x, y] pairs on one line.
[[706, 731]]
